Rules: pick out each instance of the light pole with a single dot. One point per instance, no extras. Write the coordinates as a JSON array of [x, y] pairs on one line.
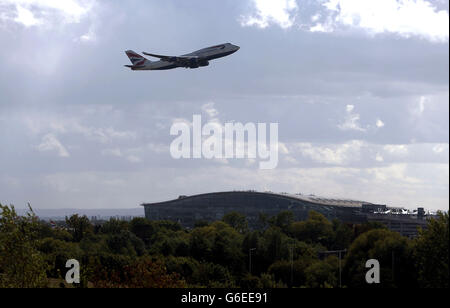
[[393, 280], [339, 252], [292, 266], [250, 260]]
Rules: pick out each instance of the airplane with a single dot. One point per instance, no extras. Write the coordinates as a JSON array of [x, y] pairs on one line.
[[196, 59]]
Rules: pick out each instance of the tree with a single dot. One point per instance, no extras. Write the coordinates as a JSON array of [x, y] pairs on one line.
[[273, 246], [21, 264], [283, 220], [145, 272], [342, 236], [56, 253], [218, 243], [143, 229], [316, 229], [125, 243], [201, 223], [236, 221], [79, 226], [431, 253], [263, 222], [292, 274], [249, 282], [201, 243], [114, 226], [366, 227], [394, 253], [323, 274], [212, 275], [185, 266], [226, 248]]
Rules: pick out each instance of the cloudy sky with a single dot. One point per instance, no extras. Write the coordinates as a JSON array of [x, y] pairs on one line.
[[360, 90]]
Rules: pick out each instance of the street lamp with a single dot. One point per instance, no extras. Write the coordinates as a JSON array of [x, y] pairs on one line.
[[339, 252], [250, 259], [292, 265]]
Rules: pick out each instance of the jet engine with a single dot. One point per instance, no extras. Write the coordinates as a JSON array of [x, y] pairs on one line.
[[195, 63], [203, 63]]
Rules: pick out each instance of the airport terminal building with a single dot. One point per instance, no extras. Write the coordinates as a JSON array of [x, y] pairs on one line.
[[213, 206]]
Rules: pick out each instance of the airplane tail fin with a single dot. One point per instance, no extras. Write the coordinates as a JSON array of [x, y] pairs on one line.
[[136, 59]]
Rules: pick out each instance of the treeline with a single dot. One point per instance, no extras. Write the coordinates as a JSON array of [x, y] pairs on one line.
[[281, 252]]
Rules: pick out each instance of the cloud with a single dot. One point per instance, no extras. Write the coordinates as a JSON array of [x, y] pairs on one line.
[[211, 111], [360, 153], [90, 36], [52, 144], [440, 148], [419, 107], [131, 155], [48, 14], [333, 154], [409, 185], [279, 12], [90, 105], [379, 123], [38, 12], [379, 158], [397, 150], [351, 121], [320, 27], [26, 17], [65, 125], [406, 17]]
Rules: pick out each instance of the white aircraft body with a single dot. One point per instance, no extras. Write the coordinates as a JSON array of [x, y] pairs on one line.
[[195, 59]]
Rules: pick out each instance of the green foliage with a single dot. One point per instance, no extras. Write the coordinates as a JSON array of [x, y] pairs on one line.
[[144, 272], [201, 223], [342, 236], [293, 273], [263, 222], [237, 221], [79, 226], [185, 266], [283, 252], [268, 281], [125, 243], [432, 253], [143, 229], [114, 226], [394, 253], [272, 244], [168, 225], [56, 253], [363, 228], [316, 229], [21, 263], [283, 220], [323, 274], [213, 275], [219, 243]]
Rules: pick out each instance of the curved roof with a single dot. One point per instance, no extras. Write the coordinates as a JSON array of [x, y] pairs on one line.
[[308, 198]]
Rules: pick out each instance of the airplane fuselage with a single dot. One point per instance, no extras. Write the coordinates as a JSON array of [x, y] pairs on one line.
[[196, 59]]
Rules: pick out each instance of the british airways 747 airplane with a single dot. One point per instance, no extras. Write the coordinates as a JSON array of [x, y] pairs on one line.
[[195, 59]]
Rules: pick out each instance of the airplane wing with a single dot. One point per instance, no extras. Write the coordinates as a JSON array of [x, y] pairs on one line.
[[182, 60]]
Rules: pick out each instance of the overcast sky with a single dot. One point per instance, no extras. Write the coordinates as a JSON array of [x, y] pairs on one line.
[[360, 90]]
